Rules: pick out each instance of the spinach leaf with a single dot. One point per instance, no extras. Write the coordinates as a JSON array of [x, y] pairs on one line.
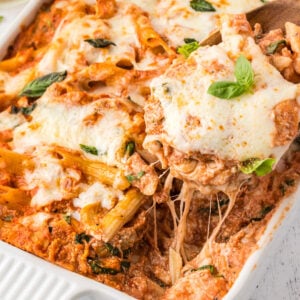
[[271, 49], [99, 43], [24, 110], [81, 237]]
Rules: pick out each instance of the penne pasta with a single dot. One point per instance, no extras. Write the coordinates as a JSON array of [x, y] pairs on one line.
[[13, 198], [15, 162], [98, 170], [123, 212]]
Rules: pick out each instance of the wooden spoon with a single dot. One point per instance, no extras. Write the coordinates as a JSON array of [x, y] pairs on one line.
[[272, 15]]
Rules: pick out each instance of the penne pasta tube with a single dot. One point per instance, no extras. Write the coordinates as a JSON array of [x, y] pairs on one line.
[[13, 198], [100, 171], [15, 162], [123, 212], [149, 38], [13, 63]]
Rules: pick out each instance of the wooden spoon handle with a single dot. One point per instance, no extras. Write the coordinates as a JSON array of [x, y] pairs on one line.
[[275, 14], [272, 15]]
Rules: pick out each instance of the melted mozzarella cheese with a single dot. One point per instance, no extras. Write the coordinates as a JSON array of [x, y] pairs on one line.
[[98, 193], [238, 129], [176, 20], [10, 121], [49, 179], [61, 124], [69, 50], [36, 221]]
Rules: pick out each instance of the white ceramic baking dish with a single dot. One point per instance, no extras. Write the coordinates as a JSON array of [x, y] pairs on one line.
[[26, 277]]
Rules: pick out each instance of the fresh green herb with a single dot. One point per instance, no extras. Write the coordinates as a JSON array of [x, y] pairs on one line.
[[37, 87], [113, 250], [126, 253], [289, 182], [157, 280], [265, 210], [130, 147], [89, 149], [28, 110], [285, 184], [81, 237], [282, 189], [201, 5], [67, 218], [272, 48], [98, 269], [211, 268], [226, 89], [189, 40], [24, 110], [244, 73], [260, 167], [188, 48], [132, 177], [125, 265], [1, 18], [7, 218], [100, 43], [264, 1], [229, 89]]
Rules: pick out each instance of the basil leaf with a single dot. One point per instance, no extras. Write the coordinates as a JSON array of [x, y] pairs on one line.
[[271, 49], [226, 89], [243, 72], [188, 48], [201, 5], [257, 166], [89, 149], [100, 43], [37, 87], [189, 40], [229, 89], [1, 18]]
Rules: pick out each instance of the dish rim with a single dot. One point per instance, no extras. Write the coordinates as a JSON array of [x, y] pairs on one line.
[[280, 219]]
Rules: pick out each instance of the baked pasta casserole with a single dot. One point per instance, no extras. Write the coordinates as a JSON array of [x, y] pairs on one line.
[[133, 155]]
